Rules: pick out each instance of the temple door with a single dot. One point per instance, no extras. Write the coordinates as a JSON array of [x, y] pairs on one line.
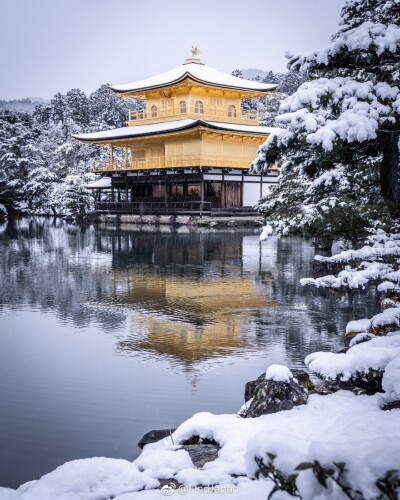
[[233, 194]]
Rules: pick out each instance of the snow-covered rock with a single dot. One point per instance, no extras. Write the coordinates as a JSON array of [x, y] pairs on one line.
[[360, 358], [278, 373], [276, 390]]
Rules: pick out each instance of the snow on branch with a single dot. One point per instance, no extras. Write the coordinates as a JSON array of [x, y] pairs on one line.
[[327, 110], [369, 36]]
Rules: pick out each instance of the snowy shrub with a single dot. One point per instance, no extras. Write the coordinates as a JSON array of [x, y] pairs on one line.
[[327, 476]]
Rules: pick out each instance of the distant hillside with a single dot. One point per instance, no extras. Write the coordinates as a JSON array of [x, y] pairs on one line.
[[251, 73], [26, 105]]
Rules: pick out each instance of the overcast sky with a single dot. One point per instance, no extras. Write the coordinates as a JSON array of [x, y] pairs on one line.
[[49, 46]]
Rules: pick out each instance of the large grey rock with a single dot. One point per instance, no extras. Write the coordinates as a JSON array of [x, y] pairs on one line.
[[270, 396], [302, 377], [202, 453], [154, 436]]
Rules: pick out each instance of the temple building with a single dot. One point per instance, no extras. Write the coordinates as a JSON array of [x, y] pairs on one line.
[[188, 150]]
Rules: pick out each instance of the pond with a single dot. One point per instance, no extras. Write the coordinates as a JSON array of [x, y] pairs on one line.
[[108, 332]]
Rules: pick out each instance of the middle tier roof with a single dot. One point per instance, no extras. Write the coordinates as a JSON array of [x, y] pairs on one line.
[[170, 127]]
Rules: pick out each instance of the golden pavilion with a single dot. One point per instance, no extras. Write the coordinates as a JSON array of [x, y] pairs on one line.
[[188, 150]]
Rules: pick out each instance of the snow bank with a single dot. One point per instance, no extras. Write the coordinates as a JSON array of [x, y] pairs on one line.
[[8, 494], [351, 278], [278, 373], [165, 464], [390, 316], [248, 490], [89, 479], [367, 252], [359, 325], [381, 246], [360, 358], [337, 427], [391, 380]]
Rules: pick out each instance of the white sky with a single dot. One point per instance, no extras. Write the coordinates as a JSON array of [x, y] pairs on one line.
[[49, 46]]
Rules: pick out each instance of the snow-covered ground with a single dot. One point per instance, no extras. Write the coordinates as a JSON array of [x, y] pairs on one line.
[[334, 428]]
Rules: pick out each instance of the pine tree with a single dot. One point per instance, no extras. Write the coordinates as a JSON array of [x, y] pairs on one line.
[[77, 107], [347, 118], [16, 137]]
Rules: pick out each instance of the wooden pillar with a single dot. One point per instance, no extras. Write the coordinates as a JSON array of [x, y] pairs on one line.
[[201, 196], [126, 189], [126, 156], [242, 190], [112, 156], [223, 201], [166, 197]]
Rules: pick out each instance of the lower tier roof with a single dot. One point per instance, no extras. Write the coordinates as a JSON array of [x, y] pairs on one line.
[[169, 127]]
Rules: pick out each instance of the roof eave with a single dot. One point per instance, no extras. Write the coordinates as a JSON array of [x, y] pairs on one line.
[[197, 123], [188, 75]]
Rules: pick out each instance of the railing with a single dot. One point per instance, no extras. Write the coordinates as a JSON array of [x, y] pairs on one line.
[[154, 207], [206, 112], [173, 162]]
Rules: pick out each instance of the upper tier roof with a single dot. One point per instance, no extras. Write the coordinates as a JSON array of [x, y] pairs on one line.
[[169, 127], [196, 71]]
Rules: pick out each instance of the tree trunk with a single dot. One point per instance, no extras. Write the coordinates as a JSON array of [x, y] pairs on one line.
[[389, 171]]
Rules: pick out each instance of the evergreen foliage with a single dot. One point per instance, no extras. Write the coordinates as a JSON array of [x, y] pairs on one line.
[[268, 106], [387, 486], [339, 151], [43, 170]]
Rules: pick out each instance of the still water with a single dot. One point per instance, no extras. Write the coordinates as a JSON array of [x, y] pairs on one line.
[[107, 333]]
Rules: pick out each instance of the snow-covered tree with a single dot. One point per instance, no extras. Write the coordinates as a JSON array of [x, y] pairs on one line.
[[106, 111], [268, 106], [42, 168], [77, 107], [16, 136], [344, 124]]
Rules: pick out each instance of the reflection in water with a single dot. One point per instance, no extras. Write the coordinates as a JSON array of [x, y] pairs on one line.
[[98, 325]]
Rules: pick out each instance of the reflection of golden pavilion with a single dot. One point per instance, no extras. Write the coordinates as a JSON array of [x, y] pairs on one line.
[[187, 316]]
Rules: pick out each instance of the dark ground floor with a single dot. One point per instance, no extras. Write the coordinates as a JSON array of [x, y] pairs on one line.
[[218, 191]]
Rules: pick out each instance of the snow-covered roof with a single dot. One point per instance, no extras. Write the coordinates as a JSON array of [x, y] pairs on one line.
[[168, 127], [196, 71], [104, 182]]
